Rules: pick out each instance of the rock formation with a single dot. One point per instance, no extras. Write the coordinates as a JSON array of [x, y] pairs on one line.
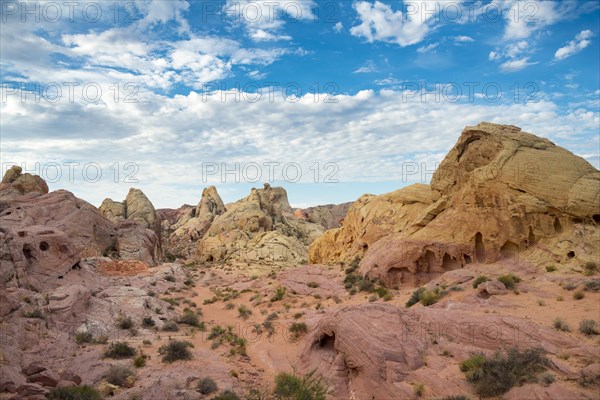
[[330, 216], [14, 183], [498, 193]]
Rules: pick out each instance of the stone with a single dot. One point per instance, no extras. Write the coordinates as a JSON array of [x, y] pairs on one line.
[[44, 378], [492, 288], [15, 184], [33, 368]]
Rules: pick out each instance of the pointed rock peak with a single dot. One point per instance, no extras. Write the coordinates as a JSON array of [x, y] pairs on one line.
[[211, 203]]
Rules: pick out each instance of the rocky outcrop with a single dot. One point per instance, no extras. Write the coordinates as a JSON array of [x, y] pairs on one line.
[[498, 193], [14, 183], [330, 215], [260, 227], [382, 351]]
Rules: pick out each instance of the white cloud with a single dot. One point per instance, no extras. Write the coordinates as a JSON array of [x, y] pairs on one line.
[[368, 67], [526, 17], [380, 23], [463, 39], [580, 42], [516, 65], [338, 27], [428, 48]]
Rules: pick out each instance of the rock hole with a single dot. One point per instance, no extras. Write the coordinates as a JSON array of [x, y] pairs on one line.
[[468, 259], [557, 226], [27, 251], [450, 263], [210, 258], [60, 277], [479, 248], [509, 250], [327, 342], [21, 233], [531, 237], [394, 277], [76, 266], [571, 254], [44, 246], [577, 220], [596, 218]]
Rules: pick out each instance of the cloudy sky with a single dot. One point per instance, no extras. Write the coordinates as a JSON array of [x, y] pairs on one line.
[[331, 99]]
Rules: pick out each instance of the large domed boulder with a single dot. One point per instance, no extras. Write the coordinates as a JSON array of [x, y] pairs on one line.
[[15, 183]]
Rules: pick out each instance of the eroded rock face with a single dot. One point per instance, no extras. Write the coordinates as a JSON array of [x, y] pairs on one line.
[[259, 227], [382, 351], [14, 183], [498, 193], [330, 216]]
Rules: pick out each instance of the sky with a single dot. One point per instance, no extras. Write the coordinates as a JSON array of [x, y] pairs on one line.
[[329, 99]]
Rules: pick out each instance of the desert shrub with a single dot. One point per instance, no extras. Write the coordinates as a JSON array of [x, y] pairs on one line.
[[428, 298], [226, 395], [495, 375], [578, 294], [569, 285], [547, 378], [229, 306], [509, 280], [139, 361], [293, 387], [590, 267], [84, 392], [456, 288], [170, 326], [456, 397], [588, 327], [206, 386], [244, 312], [125, 323], [148, 322], [419, 390], [279, 294], [119, 350], [551, 268], [175, 350], [415, 297], [189, 318], [592, 285], [298, 329], [169, 278], [84, 337], [312, 284], [36, 313], [560, 325], [298, 315], [118, 375], [479, 280]]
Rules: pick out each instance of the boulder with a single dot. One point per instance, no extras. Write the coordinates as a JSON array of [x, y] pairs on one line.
[[15, 184], [492, 288], [45, 378], [32, 369], [114, 211]]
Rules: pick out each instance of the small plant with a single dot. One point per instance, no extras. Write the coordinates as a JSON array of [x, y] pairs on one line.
[[298, 315], [429, 298], [312, 284], [226, 395], [551, 268], [560, 325], [578, 294], [588, 327], [509, 280], [84, 337], [560, 298], [415, 297], [234, 373], [170, 326], [592, 285], [84, 392], [388, 297], [175, 350], [294, 387], [541, 303], [169, 278], [125, 323], [373, 298], [298, 329], [148, 322], [229, 306], [590, 268], [458, 397], [118, 375], [279, 294], [479, 280], [547, 378], [119, 350], [189, 318], [36, 313], [244, 312], [139, 361], [419, 390], [147, 342], [206, 386], [569, 285], [456, 288]]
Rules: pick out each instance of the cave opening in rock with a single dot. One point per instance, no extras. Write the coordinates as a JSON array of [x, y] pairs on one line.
[[467, 258], [450, 263], [44, 246], [531, 238], [509, 250], [557, 226], [395, 277], [571, 254], [327, 342], [596, 218], [479, 248], [27, 251]]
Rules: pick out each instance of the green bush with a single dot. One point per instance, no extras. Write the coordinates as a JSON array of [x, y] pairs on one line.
[[495, 375], [84, 337], [170, 326], [118, 375], [578, 295], [509, 280], [175, 350], [561, 325], [189, 318], [457, 397], [148, 322], [298, 329], [588, 327], [312, 284], [125, 323], [244, 312], [119, 350], [226, 395], [592, 285], [415, 297], [84, 392], [569, 285], [139, 361], [279, 294], [37, 313], [551, 268], [547, 378], [428, 298], [590, 267], [293, 387], [479, 280], [206, 386]]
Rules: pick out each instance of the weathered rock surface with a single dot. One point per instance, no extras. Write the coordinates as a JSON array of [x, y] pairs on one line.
[[498, 192], [312, 280], [330, 215], [379, 350], [14, 183]]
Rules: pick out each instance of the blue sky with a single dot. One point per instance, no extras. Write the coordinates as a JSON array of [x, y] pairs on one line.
[[330, 99]]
